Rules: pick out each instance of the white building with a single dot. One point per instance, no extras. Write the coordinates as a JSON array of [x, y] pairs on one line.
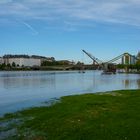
[[25, 60], [128, 59], [30, 62], [1, 60]]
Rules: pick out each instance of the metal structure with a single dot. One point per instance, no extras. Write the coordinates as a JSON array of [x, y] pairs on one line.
[[95, 60], [109, 66], [129, 59], [115, 59]]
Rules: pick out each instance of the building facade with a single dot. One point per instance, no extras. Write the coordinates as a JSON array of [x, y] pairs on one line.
[[21, 60], [28, 62], [1, 60], [128, 59], [25, 60]]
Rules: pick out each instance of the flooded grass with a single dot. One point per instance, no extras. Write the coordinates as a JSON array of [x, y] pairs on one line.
[[105, 116]]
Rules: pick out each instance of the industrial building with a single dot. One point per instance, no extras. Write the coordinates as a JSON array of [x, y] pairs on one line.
[[128, 59]]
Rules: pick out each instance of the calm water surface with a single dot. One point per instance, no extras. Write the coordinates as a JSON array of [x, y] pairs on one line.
[[19, 90]]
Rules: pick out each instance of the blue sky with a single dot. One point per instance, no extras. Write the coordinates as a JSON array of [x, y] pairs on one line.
[[62, 28]]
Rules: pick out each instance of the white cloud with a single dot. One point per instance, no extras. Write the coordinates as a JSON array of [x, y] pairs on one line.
[[34, 32], [116, 11], [5, 1]]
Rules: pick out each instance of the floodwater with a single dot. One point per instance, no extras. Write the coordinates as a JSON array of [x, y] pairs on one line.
[[19, 90]]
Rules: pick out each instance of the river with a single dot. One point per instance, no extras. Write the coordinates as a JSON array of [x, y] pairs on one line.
[[19, 90]]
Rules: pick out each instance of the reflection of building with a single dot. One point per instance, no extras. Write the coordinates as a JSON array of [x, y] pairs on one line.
[[126, 83], [128, 59], [138, 83]]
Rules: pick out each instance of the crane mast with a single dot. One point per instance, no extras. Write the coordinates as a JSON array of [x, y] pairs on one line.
[[95, 60]]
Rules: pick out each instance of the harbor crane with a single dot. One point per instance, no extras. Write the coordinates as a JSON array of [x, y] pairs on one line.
[[109, 67], [95, 60]]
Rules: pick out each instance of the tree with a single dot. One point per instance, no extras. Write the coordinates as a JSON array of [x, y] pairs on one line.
[[138, 62], [120, 66], [13, 64], [79, 63], [2, 67], [8, 65]]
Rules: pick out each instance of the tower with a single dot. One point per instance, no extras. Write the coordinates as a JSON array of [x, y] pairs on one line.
[[126, 59]]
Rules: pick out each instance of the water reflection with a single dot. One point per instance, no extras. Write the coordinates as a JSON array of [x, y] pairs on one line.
[[126, 82], [129, 83], [23, 89], [138, 83], [32, 82]]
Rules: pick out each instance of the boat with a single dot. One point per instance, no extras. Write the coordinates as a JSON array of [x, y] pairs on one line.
[[81, 71], [108, 73]]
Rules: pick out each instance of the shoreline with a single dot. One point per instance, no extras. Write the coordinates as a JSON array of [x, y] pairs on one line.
[[106, 115], [52, 70]]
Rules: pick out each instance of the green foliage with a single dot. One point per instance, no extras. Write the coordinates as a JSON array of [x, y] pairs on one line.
[[120, 66], [105, 116], [13, 67], [134, 66], [5, 67], [2, 66], [80, 63], [13, 64], [138, 62], [8, 65], [53, 63]]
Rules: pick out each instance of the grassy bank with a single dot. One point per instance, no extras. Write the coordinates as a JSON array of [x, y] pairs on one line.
[[108, 116]]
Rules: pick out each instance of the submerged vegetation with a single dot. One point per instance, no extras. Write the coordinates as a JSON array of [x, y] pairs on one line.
[[103, 116]]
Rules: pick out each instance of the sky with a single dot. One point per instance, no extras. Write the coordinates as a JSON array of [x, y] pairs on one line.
[[62, 28]]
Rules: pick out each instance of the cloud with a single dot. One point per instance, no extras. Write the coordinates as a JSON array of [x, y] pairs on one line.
[[112, 11], [5, 1], [28, 26], [34, 32]]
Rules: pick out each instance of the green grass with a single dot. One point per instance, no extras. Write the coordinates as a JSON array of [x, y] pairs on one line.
[[109, 116]]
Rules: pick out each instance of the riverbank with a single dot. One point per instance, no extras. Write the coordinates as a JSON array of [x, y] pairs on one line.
[[47, 68], [103, 116]]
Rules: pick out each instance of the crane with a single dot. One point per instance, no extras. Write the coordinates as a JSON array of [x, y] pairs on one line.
[[108, 67], [95, 60]]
